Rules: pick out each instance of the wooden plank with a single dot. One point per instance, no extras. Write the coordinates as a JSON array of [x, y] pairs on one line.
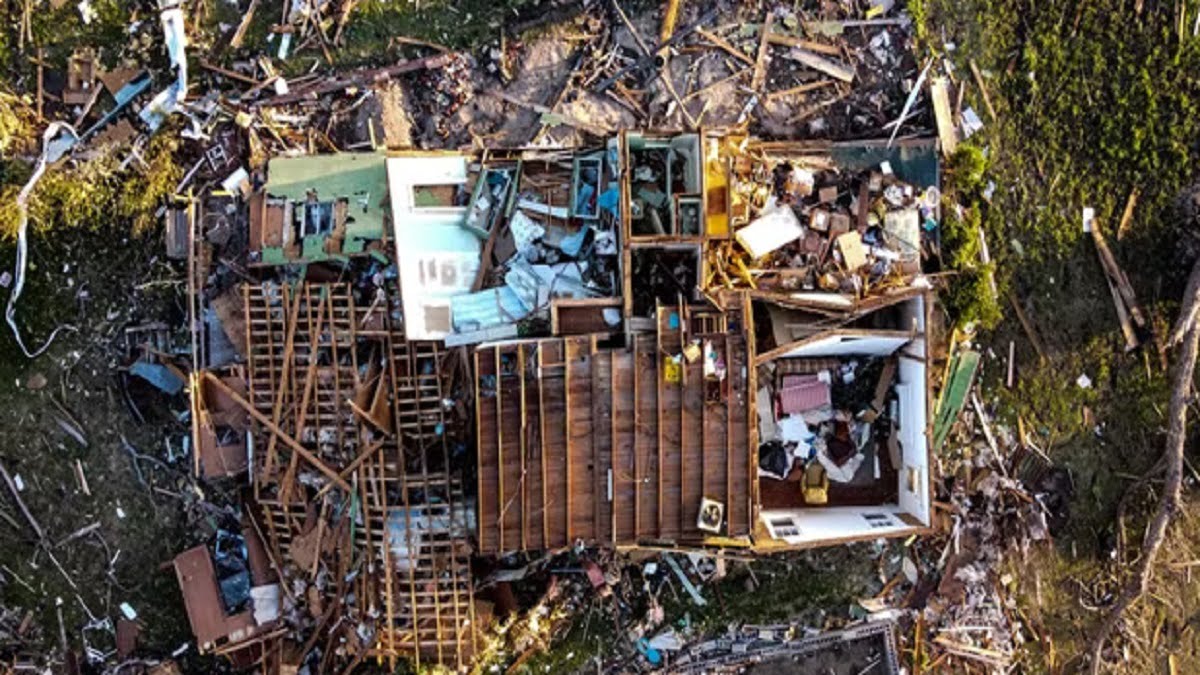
[[1027, 324], [580, 441], [741, 430], [647, 439], [723, 44], [1127, 214], [555, 444], [511, 449], [613, 467], [545, 476], [314, 341], [602, 441], [659, 355], [792, 41], [801, 89], [730, 396], [623, 413], [489, 464], [712, 439], [288, 367], [1114, 272], [760, 57], [670, 449], [987, 100], [939, 94], [500, 447], [694, 462], [637, 429], [531, 455], [833, 69]]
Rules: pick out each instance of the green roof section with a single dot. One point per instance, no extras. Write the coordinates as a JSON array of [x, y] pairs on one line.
[[953, 399], [360, 177]]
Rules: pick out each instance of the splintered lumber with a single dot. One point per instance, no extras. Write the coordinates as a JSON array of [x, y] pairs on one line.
[[987, 100], [670, 19], [664, 73], [16, 494], [1123, 295], [760, 58], [817, 62], [1030, 330], [1127, 215], [274, 428], [240, 34], [801, 89], [791, 41], [724, 46], [939, 93]]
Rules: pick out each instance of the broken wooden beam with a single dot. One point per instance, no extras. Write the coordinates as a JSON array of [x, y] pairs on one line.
[[1030, 330], [760, 57], [1127, 214], [801, 89], [670, 19], [987, 100], [359, 78], [1117, 275], [792, 41], [16, 494], [724, 45], [939, 94], [292, 443], [816, 62], [240, 33]]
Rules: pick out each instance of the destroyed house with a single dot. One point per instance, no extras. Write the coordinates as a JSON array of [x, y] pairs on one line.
[[766, 382], [689, 340]]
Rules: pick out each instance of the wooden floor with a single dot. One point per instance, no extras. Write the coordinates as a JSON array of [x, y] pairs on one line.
[[582, 442], [864, 490]]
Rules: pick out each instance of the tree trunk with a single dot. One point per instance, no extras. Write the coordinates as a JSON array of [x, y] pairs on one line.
[[1156, 532]]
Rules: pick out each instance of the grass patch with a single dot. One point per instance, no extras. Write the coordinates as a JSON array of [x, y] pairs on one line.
[[1093, 100]]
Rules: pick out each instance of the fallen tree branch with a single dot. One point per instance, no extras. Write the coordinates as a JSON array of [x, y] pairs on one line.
[[1168, 505], [1191, 306]]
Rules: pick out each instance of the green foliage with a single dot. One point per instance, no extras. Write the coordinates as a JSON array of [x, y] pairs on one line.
[[79, 196], [968, 296], [94, 194], [464, 24], [143, 191], [960, 237], [967, 166], [15, 122], [919, 11], [969, 299]]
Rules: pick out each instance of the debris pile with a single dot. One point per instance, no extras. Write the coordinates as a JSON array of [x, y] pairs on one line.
[[959, 588], [805, 225]]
